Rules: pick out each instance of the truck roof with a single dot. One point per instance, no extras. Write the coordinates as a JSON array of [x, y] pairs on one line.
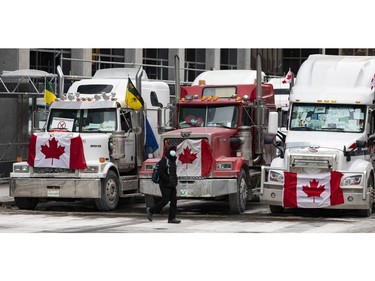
[[227, 77], [340, 79], [118, 73], [90, 87]]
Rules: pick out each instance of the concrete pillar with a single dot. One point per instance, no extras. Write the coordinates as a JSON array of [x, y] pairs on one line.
[[213, 59], [243, 58], [133, 57], [83, 67], [14, 59], [171, 71]]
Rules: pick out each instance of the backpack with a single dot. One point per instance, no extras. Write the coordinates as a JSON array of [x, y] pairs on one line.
[[155, 173]]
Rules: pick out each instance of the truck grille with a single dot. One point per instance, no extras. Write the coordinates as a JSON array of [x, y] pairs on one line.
[[53, 171], [309, 164], [176, 141]]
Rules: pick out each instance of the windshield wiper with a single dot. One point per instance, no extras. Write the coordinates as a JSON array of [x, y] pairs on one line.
[[302, 129], [333, 129]]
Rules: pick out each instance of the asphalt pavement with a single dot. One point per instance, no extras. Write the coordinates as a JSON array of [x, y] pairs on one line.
[[5, 199]]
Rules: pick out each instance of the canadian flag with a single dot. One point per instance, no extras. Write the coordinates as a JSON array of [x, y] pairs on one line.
[[288, 77], [57, 150], [312, 190], [194, 158]]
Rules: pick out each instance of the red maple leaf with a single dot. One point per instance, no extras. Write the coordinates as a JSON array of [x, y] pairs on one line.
[[313, 190], [187, 157], [53, 151]]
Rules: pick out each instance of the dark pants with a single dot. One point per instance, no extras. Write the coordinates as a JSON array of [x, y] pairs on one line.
[[168, 194]]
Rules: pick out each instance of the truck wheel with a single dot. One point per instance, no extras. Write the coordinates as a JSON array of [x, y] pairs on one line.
[[368, 212], [276, 209], [26, 203], [237, 200], [110, 193]]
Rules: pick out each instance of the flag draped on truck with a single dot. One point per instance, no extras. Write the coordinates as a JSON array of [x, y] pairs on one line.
[[312, 190], [56, 150], [194, 158]]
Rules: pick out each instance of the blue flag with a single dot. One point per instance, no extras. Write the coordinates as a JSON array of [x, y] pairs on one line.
[[151, 144]]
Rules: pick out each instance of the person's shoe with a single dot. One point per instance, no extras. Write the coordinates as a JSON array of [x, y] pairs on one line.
[[149, 214], [174, 221]]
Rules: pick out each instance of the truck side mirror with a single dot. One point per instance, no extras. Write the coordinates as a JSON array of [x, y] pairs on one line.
[[273, 120], [360, 143], [154, 100]]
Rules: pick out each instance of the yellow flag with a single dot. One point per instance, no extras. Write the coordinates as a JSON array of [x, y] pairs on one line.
[[132, 98], [49, 96]]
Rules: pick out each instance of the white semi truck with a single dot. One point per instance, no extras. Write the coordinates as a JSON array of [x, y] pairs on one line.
[[93, 143], [328, 160]]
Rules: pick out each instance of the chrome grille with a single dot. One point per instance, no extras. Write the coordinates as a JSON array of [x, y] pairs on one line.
[[53, 171], [309, 164]]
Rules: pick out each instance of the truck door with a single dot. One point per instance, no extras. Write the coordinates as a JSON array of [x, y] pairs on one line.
[[126, 125]]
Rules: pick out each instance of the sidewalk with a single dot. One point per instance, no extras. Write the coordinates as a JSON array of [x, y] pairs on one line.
[[4, 194]]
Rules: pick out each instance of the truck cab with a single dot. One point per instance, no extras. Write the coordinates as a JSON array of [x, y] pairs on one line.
[[93, 143], [330, 136], [219, 137]]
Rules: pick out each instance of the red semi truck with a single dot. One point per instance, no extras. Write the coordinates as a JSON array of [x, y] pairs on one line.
[[224, 133]]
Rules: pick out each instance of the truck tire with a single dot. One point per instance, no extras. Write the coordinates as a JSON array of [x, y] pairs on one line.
[[110, 193], [26, 203], [368, 212], [276, 209], [238, 200]]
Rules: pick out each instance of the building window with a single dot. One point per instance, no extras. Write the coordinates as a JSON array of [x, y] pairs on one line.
[[156, 63], [195, 63], [48, 59], [228, 59], [271, 61], [107, 58]]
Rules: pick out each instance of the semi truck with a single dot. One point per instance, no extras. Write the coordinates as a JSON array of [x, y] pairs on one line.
[[225, 124], [328, 161], [93, 143]]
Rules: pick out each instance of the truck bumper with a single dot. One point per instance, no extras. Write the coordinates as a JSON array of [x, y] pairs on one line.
[[194, 188], [273, 195], [55, 188], [354, 197]]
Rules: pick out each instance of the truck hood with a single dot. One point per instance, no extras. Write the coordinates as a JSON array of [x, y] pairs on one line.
[[95, 145], [323, 140]]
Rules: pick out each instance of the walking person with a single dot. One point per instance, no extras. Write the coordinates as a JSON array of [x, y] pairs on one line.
[[168, 181]]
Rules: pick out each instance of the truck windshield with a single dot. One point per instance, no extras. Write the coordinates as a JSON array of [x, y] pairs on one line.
[[208, 116], [324, 117], [82, 120]]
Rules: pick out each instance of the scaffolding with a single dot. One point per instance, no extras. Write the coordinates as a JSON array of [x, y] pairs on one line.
[[21, 93]]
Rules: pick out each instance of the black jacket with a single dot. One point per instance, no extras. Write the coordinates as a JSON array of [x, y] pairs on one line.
[[168, 172]]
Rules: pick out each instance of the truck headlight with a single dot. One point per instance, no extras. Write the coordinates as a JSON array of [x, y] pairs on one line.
[[276, 176], [21, 168], [223, 166], [352, 180], [91, 169]]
